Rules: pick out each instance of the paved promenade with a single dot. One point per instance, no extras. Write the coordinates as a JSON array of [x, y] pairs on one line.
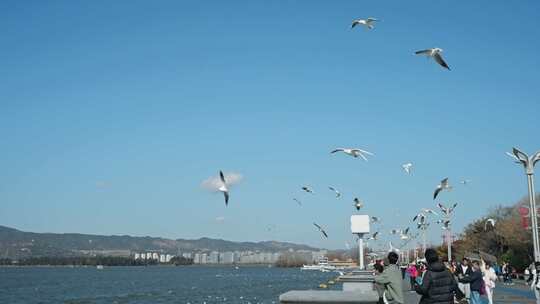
[[518, 293]]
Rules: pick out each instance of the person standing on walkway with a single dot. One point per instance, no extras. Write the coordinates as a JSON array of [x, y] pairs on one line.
[[413, 273], [438, 285], [464, 270], [489, 279], [391, 280], [535, 284], [475, 281]]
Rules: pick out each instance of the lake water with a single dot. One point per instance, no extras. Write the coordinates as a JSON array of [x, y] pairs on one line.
[[122, 285]]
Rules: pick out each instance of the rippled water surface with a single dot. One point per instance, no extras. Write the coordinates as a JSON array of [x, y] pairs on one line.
[[119, 285]]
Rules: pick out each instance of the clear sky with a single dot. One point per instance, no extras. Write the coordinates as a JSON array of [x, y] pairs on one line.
[[114, 112]]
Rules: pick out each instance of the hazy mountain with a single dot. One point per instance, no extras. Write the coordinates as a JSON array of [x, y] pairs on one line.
[[18, 244]]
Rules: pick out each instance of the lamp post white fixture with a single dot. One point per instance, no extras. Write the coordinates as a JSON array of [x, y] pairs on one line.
[[360, 227], [528, 163]]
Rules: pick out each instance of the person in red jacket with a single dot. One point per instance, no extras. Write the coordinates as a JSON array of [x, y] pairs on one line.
[[413, 273]]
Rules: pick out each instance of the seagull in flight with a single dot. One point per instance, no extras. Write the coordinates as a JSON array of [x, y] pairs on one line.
[[426, 210], [369, 22], [358, 204], [404, 235], [395, 231], [434, 53], [489, 221], [447, 210], [223, 188], [321, 230], [338, 194], [375, 219], [445, 223], [407, 167], [374, 236], [354, 152], [444, 185], [421, 217], [297, 201], [307, 189]]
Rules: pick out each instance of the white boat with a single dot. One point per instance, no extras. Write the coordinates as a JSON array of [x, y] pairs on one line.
[[99, 267], [322, 265]]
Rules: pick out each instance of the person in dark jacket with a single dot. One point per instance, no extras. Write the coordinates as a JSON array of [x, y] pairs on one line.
[[438, 285], [475, 279], [462, 270]]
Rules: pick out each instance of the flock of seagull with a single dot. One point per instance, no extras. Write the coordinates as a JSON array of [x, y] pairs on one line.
[[421, 219], [434, 53]]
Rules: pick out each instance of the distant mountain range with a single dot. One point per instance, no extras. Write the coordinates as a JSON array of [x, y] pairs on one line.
[[16, 244]]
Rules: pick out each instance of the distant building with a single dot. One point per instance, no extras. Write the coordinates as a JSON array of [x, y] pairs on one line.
[[155, 256], [213, 258], [162, 258], [204, 258], [186, 255], [168, 258], [197, 258], [226, 258], [137, 256]]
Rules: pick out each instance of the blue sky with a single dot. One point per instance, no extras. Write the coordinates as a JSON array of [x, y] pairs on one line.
[[113, 113]]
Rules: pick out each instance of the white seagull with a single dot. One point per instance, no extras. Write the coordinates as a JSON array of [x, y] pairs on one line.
[[321, 230], [354, 152], [444, 185], [338, 194], [491, 222], [445, 223], [446, 210], [404, 235], [358, 204], [434, 53], [426, 210], [395, 231], [307, 189], [223, 188], [365, 22], [421, 217], [407, 167]]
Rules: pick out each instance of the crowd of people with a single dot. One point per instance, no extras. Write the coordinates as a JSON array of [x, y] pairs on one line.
[[443, 282]]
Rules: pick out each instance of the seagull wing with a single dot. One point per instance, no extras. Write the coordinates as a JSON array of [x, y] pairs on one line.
[[436, 192], [222, 177], [355, 23], [324, 233], [319, 227], [226, 194], [440, 60], [337, 150], [423, 52], [372, 19]]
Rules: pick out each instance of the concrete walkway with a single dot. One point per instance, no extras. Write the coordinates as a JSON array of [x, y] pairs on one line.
[[518, 293]]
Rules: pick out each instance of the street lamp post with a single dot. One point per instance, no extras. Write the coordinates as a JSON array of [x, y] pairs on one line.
[[528, 163]]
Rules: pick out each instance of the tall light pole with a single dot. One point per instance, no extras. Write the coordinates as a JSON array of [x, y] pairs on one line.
[[528, 163]]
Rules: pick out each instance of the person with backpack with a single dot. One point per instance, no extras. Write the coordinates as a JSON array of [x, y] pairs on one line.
[[438, 284], [476, 281]]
